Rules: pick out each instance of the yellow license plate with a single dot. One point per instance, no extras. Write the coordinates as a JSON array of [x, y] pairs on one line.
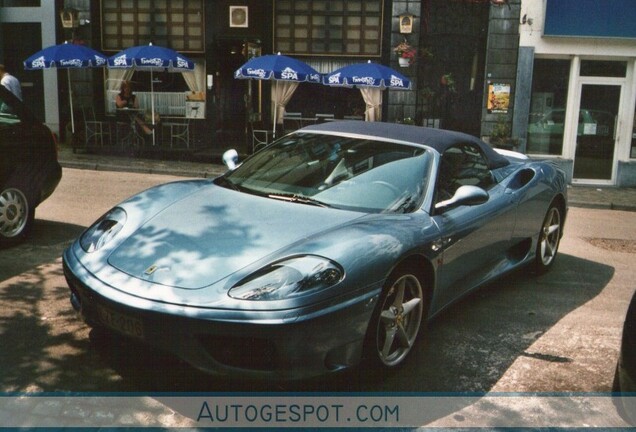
[[120, 322]]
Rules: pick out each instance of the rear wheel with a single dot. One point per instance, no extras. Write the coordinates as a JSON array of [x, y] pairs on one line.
[[549, 239], [396, 320], [16, 216]]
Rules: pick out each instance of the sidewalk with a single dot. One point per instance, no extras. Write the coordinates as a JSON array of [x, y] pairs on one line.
[[579, 196], [121, 163]]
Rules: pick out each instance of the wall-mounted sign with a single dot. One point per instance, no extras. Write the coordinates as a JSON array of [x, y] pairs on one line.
[[498, 98], [70, 18], [238, 16], [590, 18], [406, 23]]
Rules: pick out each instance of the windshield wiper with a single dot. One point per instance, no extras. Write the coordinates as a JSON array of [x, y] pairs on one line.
[[224, 182], [298, 199]]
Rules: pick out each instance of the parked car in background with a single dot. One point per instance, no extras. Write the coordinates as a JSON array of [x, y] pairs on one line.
[[331, 245], [29, 170]]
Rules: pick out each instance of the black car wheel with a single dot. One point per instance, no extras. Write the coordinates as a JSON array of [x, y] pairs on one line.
[[16, 215], [549, 239], [396, 320]]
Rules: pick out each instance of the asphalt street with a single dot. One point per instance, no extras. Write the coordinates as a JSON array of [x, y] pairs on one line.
[[555, 333]]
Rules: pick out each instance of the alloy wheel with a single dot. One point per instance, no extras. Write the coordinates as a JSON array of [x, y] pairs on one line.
[[550, 236], [14, 212], [399, 320]]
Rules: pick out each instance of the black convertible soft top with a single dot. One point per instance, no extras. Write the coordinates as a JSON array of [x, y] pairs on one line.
[[438, 139]]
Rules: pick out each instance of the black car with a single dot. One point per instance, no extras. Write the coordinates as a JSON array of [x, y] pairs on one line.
[[625, 378], [29, 170]]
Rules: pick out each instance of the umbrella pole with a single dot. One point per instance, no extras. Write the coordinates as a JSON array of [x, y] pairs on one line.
[[70, 97], [275, 111], [152, 105]]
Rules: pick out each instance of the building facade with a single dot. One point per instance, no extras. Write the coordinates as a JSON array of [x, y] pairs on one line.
[[464, 70], [577, 60], [553, 78], [25, 27]]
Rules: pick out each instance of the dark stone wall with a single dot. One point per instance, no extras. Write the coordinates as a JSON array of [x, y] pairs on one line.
[[450, 68], [403, 104], [501, 60]]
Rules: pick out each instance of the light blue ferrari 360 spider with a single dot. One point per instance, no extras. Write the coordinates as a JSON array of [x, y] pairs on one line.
[[328, 247]]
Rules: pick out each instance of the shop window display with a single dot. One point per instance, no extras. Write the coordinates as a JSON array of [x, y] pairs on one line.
[[547, 106]]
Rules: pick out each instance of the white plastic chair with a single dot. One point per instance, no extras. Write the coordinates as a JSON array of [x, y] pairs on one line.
[[95, 130], [178, 132]]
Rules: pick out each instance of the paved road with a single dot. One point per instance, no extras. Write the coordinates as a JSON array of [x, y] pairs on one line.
[[557, 332]]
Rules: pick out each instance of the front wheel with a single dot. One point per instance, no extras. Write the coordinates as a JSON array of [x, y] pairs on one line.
[[549, 239], [16, 216], [396, 320]]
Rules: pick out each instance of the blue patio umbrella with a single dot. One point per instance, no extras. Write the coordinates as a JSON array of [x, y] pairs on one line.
[[371, 79], [151, 58], [286, 72], [277, 67], [66, 56]]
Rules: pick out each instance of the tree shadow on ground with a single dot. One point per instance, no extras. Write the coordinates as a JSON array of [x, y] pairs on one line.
[[47, 241], [465, 349], [468, 348]]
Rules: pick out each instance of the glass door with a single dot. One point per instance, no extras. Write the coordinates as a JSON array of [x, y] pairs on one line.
[[597, 131]]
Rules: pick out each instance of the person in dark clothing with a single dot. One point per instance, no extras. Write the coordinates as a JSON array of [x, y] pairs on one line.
[[126, 99]]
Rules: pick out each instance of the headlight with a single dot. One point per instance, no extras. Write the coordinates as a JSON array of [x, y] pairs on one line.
[[290, 278], [104, 230]]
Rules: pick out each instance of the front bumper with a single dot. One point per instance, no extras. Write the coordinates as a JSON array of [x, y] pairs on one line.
[[259, 345]]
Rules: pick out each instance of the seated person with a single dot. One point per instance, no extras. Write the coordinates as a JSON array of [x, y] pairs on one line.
[[126, 99]]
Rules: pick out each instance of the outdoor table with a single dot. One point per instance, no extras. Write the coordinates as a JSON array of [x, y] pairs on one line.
[[132, 136]]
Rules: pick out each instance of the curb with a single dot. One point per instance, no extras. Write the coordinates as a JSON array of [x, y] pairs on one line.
[[602, 205], [97, 166], [590, 205]]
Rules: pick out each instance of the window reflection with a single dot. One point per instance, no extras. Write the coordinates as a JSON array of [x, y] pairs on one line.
[[547, 109]]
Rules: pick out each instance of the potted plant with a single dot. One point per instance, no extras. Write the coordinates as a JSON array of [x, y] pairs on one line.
[[500, 135], [405, 52], [448, 81], [407, 121]]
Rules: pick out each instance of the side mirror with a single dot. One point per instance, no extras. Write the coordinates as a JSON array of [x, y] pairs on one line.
[[231, 159], [465, 195]]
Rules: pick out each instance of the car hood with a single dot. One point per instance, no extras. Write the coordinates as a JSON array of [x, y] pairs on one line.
[[215, 232]]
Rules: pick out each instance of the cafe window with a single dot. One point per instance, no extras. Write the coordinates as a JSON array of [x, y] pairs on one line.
[[547, 106], [333, 27], [175, 24]]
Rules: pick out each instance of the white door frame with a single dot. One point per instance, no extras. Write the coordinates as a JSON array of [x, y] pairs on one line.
[[572, 119]]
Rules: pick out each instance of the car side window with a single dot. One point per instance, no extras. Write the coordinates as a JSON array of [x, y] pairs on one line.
[[462, 165]]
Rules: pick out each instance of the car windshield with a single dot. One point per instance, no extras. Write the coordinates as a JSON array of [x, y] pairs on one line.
[[335, 171]]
